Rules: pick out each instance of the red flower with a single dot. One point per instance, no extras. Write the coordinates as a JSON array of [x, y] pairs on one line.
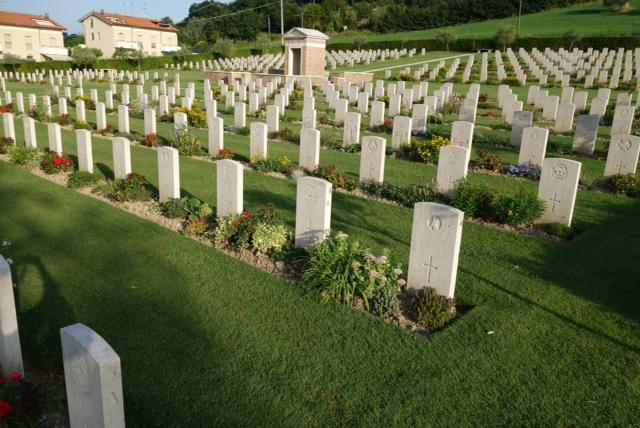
[[57, 161], [4, 110], [5, 408], [490, 114], [15, 377], [247, 214]]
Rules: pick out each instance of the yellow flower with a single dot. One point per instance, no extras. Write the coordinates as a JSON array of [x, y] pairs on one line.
[[510, 213]]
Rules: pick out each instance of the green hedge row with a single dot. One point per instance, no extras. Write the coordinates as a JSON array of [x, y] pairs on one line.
[[471, 45]]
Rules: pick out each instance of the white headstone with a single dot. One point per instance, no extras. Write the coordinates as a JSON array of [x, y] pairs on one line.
[[229, 187], [521, 119], [216, 135], [584, 141], [123, 119], [29, 128], [168, 173], [313, 211], [121, 157], [351, 131], [401, 133], [149, 121], [258, 141], [453, 163], [372, 157], [10, 350], [558, 188], [623, 155], [85, 152], [309, 148], [435, 246], [534, 145], [564, 118]]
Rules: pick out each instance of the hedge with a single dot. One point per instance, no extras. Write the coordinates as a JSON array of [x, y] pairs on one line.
[[471, 45]]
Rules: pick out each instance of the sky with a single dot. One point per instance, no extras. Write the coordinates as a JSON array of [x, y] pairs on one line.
[[67, 12]]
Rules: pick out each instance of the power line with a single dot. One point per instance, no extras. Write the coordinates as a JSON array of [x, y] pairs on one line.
[[233, 13]]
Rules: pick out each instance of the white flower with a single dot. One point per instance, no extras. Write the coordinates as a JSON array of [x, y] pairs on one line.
[[6, 244], [9, 261]]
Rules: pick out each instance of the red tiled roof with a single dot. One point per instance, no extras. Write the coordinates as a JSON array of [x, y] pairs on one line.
[[133, 21], [25, 20]]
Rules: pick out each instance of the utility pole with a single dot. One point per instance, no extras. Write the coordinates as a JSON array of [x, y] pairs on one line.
[[282, 21], [519, 16]]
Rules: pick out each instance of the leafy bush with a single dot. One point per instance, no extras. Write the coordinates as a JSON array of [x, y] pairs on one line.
[[341, 269], [385, 303], [271, 165], [150, 140], [511, 81], [526, 170], [623, 184], [340, 181], [23, 156], [425, 150], [489, 161], [521, 208], [432, 310], [269, 238], [196, 116], [186, 208], [187, 143], [5, 143], [79, 179], [475, 201], [133, 188], [64, 119], [197, 227], [560, 230], [52, 163], [407, 196]]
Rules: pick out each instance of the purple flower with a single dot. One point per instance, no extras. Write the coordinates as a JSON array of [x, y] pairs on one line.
[[369, 257], [382, 260]]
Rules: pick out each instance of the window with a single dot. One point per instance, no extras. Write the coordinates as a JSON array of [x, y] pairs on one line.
[[28, 44], [91, 22], [43, 23], [121, 36], [98, 36], [7, 41], [93, 36], [153, 45]]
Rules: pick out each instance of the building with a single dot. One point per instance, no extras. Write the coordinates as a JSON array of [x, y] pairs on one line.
[[108, 31], [304, 52], [32, 37]]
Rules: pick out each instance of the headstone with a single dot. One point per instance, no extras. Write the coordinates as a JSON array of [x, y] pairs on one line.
[[168, 173], [622, 120], [229, 187], [558, 188], [309, 148], [81, 115], [273, 118], [623, 155], [401, 133], [121, 157], [521, 119], [9, 128], [29, 127], [101, 116], [309, 118], [564, 118], [435, 246], [550, 108], [419, 117], [580, 100], [351, 132], [85, 152], [123, 119], [534, 145], [93, 379], [149, 121], [10, 350], [372, 157], [584, 141], [462, 135], [453, 163], [313, 211], [216, 135], [376, 117], [258, 142], [240, 115]]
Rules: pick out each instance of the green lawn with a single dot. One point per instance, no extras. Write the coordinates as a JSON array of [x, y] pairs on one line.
[[589, 19]]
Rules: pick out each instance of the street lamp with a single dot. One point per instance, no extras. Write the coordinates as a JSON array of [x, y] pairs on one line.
[[519, 15]]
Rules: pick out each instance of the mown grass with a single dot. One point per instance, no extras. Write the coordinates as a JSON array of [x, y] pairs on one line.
[[589, 19]]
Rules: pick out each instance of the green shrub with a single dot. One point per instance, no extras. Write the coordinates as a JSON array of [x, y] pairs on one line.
[[5, 144], [185, 208], [52, 163], [243, 131], [560, 230], [340, 181], [187, 143], [133, 188], [341, 269], [511, 81], [79, 179], [623, 184], [23, 157], [385, 303], [269, 238], [475, 201], [407, 196], [271, 165], [432, 310], [489, 161], [521, 208]]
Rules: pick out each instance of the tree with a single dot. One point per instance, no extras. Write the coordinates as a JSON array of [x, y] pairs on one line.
[[262, 43], [122, 53], [192, 32], [572, 36], [12, 60], [618, 5], [224, 47], [167, 20], [74, 40], [505, 36], [446, 37], [84, 57], [360, 40]]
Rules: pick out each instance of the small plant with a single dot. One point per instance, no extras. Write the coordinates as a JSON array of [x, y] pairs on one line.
[[186, 208], [133, 188], [23, 157], [5, 144], [53, 163], [187, 143], [150, 140], [267, 165], [269, 238], [80, 124], [225, 154], [489, 161], [196, 116], [330, 174], [483, 97], [80, 179], [521, 208], [475, 201], [623, 184], [65, 120], [432, 310], [560, 230], [526, 170], [385, 303], [427, 151]]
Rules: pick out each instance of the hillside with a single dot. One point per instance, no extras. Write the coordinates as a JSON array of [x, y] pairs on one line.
[[590, 19]]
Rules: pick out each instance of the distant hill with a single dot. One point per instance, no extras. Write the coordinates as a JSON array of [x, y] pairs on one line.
[[245, 19]]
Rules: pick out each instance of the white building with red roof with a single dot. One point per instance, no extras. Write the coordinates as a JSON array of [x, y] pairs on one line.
[[109, 31], [31, 37]]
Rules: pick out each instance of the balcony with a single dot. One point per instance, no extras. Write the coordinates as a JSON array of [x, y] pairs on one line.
[[127, 45], [55, 53]]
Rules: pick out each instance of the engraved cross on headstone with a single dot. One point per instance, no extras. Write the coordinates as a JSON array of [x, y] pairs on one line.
[[430, 266], [621, 165], [554, 200]]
